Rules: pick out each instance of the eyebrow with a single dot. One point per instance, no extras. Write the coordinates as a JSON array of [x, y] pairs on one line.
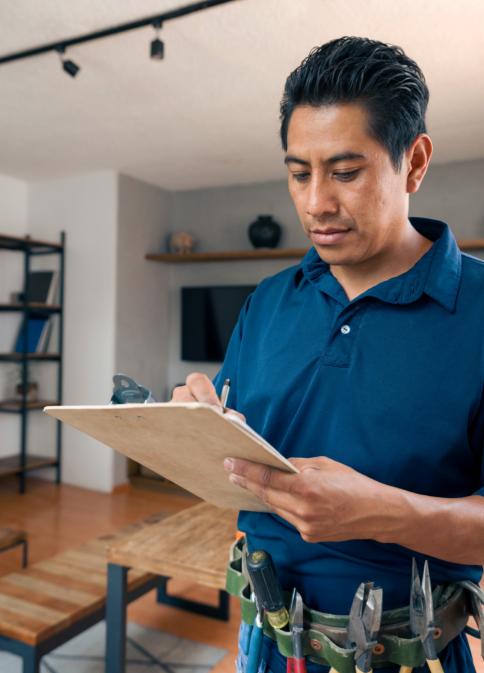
[[343, 156]]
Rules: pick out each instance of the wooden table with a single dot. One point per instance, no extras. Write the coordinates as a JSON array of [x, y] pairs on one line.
[[192, 545]]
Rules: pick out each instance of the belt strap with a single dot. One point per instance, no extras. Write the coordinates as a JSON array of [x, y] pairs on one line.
[[324, 640]]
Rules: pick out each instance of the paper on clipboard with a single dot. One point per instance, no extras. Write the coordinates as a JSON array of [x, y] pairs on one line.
[[184, 442]]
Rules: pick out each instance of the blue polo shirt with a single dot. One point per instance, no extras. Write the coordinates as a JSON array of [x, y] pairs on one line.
[[390, 383]]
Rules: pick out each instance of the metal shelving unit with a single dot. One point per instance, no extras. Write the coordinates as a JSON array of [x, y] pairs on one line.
[[22, 462]]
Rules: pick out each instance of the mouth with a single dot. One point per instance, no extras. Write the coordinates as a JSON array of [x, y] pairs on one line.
[[328, 235]]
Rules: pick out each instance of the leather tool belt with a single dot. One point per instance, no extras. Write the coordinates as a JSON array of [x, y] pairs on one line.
[[325, 635]]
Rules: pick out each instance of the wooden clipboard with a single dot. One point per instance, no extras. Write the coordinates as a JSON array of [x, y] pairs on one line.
[[185, 443]]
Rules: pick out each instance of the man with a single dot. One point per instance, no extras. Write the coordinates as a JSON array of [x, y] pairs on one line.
[[365, 363]]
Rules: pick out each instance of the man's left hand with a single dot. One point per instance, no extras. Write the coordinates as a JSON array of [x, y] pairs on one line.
[[326, 501]]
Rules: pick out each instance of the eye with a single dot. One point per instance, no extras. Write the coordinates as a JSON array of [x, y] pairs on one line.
[[300, 177], [347, 175]]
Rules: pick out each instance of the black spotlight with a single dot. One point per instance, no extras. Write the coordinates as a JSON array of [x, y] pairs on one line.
[[68, 66], [157, 47]]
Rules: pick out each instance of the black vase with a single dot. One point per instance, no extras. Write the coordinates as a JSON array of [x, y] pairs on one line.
[[264, 232]]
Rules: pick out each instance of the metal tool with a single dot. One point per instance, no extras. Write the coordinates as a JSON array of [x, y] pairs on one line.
[[364, 624], [476, 599], [256, 639], [127, 391], [296, 663], [422, 615], [267, 589], [252, 645]]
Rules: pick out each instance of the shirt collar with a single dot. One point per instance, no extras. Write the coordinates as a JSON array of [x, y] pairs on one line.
[[437, 273]]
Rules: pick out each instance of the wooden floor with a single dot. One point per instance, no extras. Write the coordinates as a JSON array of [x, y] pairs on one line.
[[59, 517]]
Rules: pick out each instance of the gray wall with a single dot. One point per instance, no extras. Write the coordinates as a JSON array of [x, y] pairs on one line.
[[454, 193], [219, 218]]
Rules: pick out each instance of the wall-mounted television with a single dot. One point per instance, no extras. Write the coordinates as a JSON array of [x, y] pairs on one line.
[[209, 315]]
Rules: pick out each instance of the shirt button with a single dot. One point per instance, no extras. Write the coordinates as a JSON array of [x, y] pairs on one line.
[[346, 329]]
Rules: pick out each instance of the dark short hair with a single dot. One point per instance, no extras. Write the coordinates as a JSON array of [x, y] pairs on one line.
[[380, 76]]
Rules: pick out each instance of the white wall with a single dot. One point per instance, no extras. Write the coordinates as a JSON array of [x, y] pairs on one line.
[[85, 207], [13, 221]]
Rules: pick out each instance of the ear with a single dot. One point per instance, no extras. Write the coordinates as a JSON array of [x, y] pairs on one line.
[[418, 158]]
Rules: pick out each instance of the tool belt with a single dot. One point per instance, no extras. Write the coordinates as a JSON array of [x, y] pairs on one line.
[[325, 635]]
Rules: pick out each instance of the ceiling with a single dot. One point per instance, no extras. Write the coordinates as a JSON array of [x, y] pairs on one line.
[[207, 115]]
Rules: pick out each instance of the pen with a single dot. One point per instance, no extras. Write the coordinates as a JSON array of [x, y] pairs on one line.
[[225, 394]]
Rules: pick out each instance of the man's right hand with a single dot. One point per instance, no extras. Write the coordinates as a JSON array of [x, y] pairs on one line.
[[199, 388]]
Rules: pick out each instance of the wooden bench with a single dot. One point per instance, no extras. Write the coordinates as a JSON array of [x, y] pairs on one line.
[[192, 545], [12, 537], [53, 600]]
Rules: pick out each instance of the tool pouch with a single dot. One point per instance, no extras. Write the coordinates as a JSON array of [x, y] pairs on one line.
[[476, 608], [325, 635]]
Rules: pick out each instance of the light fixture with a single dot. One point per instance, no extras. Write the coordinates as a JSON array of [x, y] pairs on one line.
[[68, 66], [157, 47]]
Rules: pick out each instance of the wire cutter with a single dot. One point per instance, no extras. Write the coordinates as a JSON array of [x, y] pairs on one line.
[[296, 663], [364, 624], [422, 616]]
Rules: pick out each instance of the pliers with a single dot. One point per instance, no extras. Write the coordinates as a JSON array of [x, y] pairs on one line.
[[296, 663], [422, 622], [364, 624]]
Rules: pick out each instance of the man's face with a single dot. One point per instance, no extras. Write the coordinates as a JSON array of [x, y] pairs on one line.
[[352, 204]]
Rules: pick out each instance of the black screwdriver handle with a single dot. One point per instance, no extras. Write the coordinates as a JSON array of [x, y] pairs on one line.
[[267, 588]]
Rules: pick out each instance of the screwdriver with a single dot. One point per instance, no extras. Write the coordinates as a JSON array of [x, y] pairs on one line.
[[267, 588]]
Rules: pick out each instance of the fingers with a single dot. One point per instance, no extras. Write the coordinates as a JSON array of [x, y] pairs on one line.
[[265, 482], [182, 394], [234, 415], [198, 388]]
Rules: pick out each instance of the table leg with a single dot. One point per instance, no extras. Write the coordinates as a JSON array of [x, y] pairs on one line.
[[116, 602]]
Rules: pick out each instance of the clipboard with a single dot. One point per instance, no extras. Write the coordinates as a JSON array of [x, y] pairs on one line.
[[184, 442]]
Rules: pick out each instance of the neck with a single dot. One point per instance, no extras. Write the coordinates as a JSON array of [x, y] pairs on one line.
[[404, 253]]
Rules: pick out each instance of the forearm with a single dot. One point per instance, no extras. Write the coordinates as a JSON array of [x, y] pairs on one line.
[[451, 529]]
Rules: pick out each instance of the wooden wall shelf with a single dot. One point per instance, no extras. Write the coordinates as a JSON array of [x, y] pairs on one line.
[[265, 253]]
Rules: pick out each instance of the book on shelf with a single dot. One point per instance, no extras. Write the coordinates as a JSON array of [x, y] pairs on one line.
[[42, 287], [37, 333]]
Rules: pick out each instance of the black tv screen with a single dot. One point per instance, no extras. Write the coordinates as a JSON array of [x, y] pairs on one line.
[[209, 315]]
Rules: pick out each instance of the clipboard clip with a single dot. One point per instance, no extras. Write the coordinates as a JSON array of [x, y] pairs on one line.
[[127, 391]]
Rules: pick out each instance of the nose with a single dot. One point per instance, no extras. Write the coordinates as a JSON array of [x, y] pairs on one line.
[[321, 198]]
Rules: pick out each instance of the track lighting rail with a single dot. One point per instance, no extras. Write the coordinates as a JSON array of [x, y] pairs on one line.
[[62, 45]]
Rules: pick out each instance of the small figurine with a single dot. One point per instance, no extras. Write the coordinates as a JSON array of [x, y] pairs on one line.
[[181, 243]]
